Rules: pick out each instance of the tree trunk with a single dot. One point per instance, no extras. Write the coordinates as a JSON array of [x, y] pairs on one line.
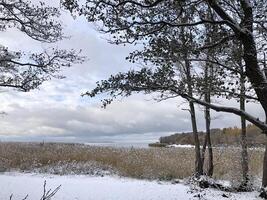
[[208, 77], [264, 168], [198, 160], [204, 147], [258, 80], [264, 174], [187, 72], [208, 74], [244, 150], [210, 152], [244, 153]]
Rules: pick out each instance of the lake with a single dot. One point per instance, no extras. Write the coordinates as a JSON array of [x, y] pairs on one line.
[[119, 144]]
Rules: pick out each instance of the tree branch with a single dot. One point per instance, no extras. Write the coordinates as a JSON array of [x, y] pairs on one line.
[[235, 111], [150, 5], [221, 12]]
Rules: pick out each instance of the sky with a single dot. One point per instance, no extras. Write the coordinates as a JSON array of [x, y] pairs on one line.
[[57, 112]]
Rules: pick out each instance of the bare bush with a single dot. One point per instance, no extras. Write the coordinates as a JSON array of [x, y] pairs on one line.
[[47, 194]]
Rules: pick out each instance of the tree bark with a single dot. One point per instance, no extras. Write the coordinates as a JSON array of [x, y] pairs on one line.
[[210, 151], [204, 147], [208, 77], [264, 174], [259, 83], [187, 72], [198, 160], [244, 151]]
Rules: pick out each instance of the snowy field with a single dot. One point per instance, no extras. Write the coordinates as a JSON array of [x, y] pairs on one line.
[[106, 188]]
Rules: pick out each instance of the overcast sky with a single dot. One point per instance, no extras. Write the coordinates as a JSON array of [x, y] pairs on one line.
[[57, 112]]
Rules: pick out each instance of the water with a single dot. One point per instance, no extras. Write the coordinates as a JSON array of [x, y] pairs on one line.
[[119, 144]]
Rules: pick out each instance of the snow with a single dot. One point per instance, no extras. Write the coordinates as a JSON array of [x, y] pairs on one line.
[[81, 187], [215, 147], [181, 146]]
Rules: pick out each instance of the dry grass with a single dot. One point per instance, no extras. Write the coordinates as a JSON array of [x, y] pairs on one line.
[[151, 163]]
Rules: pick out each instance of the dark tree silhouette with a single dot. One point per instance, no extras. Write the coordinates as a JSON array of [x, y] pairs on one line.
[[130, 21], [25, 71]]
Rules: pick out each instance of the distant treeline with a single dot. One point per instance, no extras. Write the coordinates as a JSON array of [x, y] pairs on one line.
[[226, 136]]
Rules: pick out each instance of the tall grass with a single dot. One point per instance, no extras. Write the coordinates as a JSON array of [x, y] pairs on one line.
[[150, 163]]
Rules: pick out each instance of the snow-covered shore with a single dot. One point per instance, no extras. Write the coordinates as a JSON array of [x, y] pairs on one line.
[[76, 187]]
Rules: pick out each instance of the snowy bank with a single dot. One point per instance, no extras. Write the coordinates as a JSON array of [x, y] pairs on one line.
[[181, 146], [106, 188]]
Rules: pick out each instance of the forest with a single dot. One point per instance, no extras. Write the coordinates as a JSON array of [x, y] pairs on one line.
[[219, 137]]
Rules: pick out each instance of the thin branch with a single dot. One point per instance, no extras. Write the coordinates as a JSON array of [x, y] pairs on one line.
[[139, 4], [221, 41], [216, 63]]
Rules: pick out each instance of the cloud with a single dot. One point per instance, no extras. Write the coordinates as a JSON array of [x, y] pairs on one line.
[[57, 112], [131, 116]]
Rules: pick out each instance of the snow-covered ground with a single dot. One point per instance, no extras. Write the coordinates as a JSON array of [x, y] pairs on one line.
[[76, 187], [181, 146], [259, 148]]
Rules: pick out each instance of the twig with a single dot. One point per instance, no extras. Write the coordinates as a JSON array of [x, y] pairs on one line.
[[47, 195]]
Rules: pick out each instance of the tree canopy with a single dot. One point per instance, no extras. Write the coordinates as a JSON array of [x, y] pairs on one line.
[[24, 70], [160, 23], [175, 31]]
